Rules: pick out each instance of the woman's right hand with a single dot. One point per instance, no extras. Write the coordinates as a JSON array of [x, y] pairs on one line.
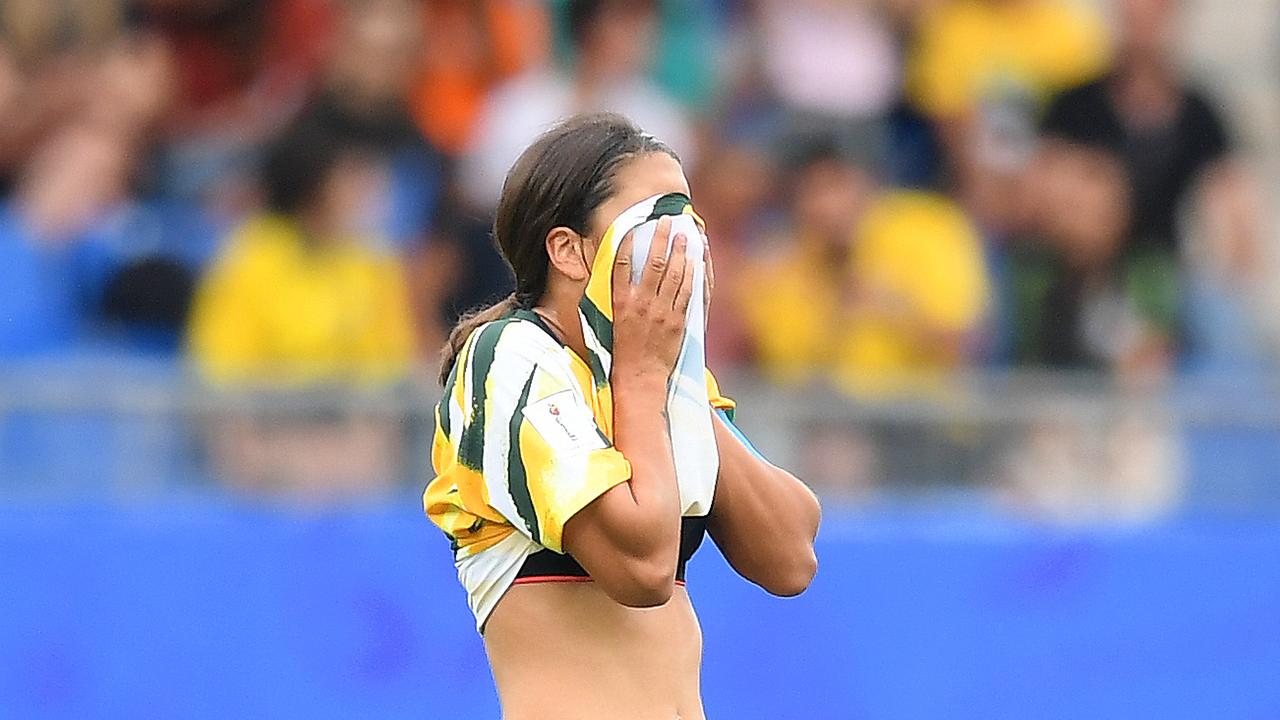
[[629, 537], [649, 316]]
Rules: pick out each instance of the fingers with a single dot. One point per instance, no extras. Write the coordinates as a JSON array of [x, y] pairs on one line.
[[710, 284], [678, 272], [622, 265], [685, 293], [655, 266]]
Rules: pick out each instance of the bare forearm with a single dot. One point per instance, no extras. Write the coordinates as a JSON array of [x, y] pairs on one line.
[[628, 538], [642, 436], [763, 519]]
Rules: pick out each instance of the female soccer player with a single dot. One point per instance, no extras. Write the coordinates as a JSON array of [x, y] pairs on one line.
[[557, 481]]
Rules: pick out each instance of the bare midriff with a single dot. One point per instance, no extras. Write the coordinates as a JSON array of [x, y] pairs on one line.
[[565, 651]]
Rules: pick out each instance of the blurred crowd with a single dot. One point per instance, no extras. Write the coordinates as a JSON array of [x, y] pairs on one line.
[[296, 194]]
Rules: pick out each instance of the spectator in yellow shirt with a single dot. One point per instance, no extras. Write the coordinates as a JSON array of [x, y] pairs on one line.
[[303, 299], [983, 70], [876, 290], [300, 295]]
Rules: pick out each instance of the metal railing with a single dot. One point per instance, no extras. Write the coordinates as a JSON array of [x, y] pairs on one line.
[[1057, 445]]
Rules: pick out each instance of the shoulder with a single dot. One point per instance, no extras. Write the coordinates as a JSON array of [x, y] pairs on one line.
[[253, 259], [1201, 107], [504, 366], [370, 255], [260, 241], [1089, 95], [1085, 104], [508, 350]]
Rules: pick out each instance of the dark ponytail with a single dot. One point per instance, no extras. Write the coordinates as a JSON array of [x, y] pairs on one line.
[[558, 181]]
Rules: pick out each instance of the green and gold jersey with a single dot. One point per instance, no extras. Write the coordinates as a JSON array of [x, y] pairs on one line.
[[523, 441]]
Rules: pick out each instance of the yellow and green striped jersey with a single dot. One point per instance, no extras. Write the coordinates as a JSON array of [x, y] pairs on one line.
[[523, 441]]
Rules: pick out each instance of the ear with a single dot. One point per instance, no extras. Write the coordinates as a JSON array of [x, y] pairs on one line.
[[565, 249]]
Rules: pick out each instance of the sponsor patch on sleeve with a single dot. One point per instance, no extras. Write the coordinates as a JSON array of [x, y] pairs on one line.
[[565, 423]]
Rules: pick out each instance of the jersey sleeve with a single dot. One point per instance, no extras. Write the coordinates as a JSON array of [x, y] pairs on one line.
[[718, 401], [545, 457], [727, 409]]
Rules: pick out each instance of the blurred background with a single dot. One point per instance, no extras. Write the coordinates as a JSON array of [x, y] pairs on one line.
[[998, 278]]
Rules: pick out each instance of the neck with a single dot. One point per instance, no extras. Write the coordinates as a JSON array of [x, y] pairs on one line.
[[1147, 92], [316, 230], [561, 315]]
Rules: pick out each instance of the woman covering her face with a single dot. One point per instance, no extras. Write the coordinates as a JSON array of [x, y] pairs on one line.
[[574, 476]]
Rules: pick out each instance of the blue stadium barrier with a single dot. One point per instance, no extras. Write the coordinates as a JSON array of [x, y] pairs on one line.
[[208, 608]]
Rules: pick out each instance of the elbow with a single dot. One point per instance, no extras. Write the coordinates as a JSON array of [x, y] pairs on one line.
[[644, 583], [813, 513], [795, 576], [800, 565]]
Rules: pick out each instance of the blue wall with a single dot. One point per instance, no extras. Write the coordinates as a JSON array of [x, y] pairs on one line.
[[208, 609]]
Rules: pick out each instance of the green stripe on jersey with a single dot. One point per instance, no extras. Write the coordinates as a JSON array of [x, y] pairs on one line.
[[442, 410], [669, 204], [471, 446], [517, 478], [597, 369], [599, 324]]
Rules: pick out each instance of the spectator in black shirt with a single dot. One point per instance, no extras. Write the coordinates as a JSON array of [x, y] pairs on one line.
[[1177, 153], [1168, 134]]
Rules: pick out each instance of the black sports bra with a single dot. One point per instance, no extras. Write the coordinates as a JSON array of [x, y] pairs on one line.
[[548, 566]]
